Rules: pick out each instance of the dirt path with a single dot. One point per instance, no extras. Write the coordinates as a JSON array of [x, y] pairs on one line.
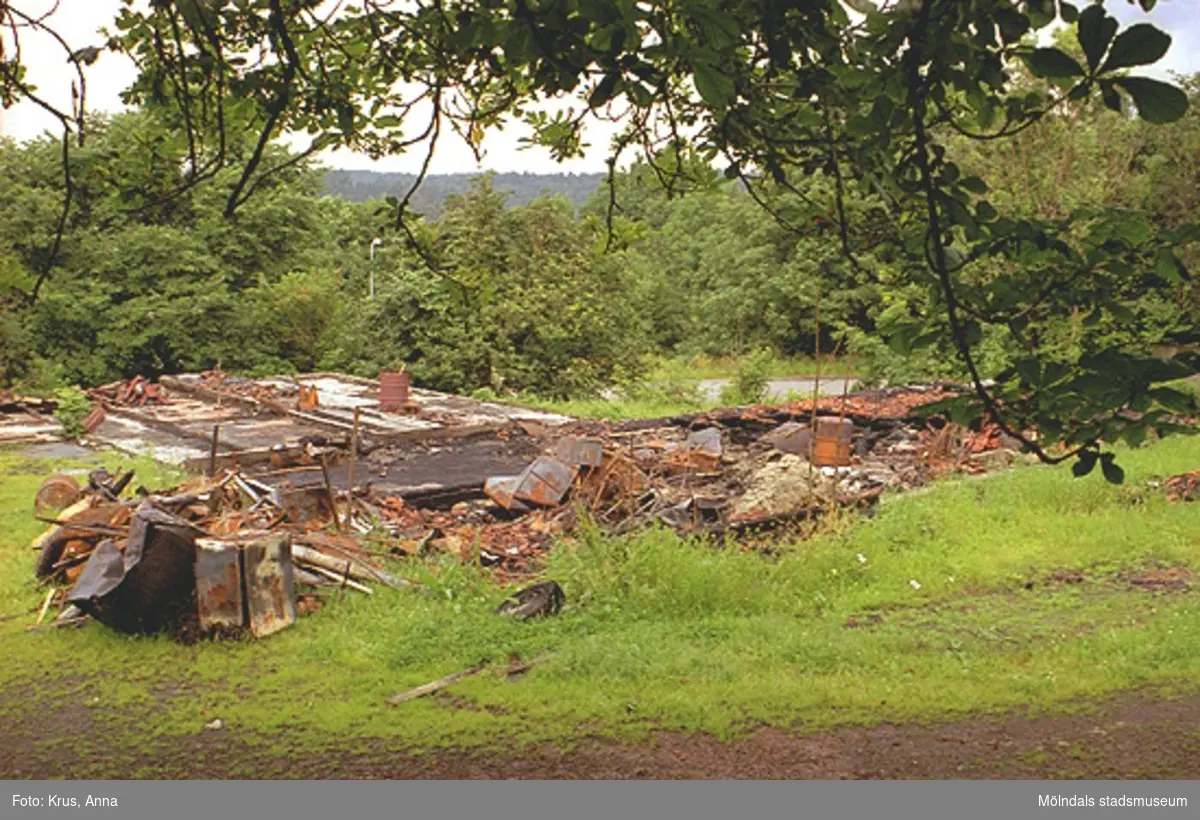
[[1133, 736]]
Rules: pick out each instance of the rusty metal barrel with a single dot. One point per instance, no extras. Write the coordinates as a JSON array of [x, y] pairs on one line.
[[393, 389], [57, 493], [831, 444]]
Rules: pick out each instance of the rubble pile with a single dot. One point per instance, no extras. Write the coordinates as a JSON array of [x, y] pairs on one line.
[[136, 392], [222, 555], [1183, 487], [749, 476], [27, 419], [886, 403], [219, 381], [248, 549]]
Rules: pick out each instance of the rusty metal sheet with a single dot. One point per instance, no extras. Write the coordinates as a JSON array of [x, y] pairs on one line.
[[219, 594], [270, 588], [579, 452], [545, 482], [94, 419], [501, 488]]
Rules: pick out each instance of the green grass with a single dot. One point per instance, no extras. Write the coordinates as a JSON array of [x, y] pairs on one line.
[[661, 633], [683, 368]]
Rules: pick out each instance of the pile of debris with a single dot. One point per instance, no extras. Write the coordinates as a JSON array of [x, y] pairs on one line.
[[890, 403], [222, 555], [27, 419], [136, 392], [1183, 487], [219, 381], [248, 548], [745, 474]]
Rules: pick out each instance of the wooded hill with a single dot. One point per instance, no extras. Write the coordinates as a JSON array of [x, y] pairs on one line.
[[521, 189]]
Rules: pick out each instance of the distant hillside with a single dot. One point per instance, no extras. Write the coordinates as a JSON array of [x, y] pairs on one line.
[[357, 186]]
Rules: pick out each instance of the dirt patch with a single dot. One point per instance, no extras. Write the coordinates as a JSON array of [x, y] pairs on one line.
[[1166, 579], [1136, 735]]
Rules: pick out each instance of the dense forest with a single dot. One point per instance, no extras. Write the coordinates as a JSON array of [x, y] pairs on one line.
[[510, 295], [519, 189]]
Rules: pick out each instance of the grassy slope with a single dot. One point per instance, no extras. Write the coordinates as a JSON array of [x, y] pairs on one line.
[[665, 634]]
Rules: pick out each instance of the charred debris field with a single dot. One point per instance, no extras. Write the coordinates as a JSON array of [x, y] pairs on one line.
[[300, 565]]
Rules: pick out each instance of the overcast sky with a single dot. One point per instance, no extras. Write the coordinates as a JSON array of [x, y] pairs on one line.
[[79, 21]]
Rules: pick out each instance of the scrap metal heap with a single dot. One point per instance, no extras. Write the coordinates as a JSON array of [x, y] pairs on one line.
[[221, 555], [248, 549]]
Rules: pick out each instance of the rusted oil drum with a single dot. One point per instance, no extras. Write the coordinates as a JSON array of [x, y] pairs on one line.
[[831, 444], [57, 493], [393, 390]]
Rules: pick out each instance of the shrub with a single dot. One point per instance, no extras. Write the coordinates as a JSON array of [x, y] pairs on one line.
[[749, 386], [73, 407]]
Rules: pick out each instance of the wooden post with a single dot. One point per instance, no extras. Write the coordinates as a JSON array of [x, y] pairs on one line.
[[212, 456], [337, 519], [353, 453]]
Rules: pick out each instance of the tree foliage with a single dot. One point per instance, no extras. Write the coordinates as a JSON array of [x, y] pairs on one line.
[[872, 101], [148, 286]]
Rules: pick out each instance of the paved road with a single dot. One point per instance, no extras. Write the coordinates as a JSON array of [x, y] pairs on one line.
[[778, 388]]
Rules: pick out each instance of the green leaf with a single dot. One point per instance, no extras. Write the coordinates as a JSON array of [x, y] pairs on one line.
[[1003, 226], [975, 185], [602, 39], [1156, 102], [1013, 25], [714, 85], [1174, 400], [858, 126], [604, 91], [902, 337], [719, 29], [926, 340], [1167, 266], [1137, 45], [1121, 313], [1096, 30], [1041, 12], [1113, 474], [1055, 372], [984, 211], [1051, 62], [1112, 99], [1085, 462], [1134, 435]]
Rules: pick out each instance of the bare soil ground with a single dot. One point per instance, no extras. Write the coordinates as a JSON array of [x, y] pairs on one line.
[[1135, 736]]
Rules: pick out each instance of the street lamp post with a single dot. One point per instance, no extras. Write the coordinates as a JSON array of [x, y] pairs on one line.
[[376, 242]]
